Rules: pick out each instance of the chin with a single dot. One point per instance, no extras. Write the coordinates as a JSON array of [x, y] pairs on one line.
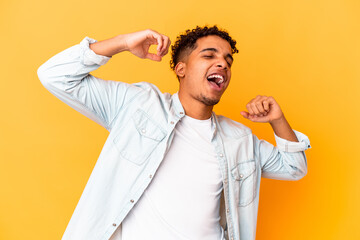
[[209, 101]]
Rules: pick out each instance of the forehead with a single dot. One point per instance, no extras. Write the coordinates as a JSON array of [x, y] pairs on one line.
[[213, 41]]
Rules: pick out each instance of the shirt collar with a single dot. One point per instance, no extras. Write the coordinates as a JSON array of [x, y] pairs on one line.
[[214, 124], [179, 111], [177, 107]]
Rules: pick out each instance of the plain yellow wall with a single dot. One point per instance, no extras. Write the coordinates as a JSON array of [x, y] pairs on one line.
[[305, 53]]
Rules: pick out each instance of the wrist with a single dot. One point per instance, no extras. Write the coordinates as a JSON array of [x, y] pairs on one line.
[[121, 44], [278, 121]]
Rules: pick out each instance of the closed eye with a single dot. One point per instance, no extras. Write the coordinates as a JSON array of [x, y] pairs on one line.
[[211, 56]]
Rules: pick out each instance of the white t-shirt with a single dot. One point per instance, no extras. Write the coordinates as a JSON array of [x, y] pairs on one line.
[[182, 201]]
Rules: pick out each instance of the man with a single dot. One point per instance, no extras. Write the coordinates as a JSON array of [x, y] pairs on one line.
[[171, 168]]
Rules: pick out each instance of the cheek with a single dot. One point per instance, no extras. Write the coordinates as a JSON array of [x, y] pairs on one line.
[[229, 75]]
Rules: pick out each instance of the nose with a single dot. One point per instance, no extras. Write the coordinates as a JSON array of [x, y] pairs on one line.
[[222, 64]]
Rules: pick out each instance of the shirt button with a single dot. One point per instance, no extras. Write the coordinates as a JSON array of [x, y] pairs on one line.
[[114, 224], [132, 200], [241, 176], [227, 210], [221, 155], [181, 112], [225, 181], [172, 122], [143, 130], [150, 176]]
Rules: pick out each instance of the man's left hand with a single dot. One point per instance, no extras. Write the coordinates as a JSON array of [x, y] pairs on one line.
[[263, 109]]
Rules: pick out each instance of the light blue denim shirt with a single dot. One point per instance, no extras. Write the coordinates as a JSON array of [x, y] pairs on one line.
[[141, 121]]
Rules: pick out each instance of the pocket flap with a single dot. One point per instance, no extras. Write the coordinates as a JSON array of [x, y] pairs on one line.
[[243, 170], [146, 127]]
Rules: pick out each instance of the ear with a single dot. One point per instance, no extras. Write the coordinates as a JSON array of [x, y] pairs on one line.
[[180, 69]]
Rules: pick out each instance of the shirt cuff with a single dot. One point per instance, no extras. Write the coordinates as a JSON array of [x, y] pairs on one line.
[[88, 56], [289, 146]]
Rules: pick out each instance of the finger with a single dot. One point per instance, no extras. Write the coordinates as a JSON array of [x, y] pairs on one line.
[[166, 52], [254, 108], [249, 108], [166, 45], [260, 107], [247, 115], [254, 118], [159, 40], [167, 48], [266, 105], [272, 101]]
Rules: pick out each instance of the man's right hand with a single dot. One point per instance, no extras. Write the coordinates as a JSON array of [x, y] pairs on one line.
[[138, 43]]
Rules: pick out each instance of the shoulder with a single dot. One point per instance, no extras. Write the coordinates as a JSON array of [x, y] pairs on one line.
[[141, 88], [146, 86], [149, 88], [148, 93], [231, 128]]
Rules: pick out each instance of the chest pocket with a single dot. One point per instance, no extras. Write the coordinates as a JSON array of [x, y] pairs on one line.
[[244, 177], [138, 139]]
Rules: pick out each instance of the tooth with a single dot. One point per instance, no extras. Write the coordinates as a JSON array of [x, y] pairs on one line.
[[217, 76]]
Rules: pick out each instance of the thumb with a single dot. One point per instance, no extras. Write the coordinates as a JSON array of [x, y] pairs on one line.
[[153, 57], [245, 114]]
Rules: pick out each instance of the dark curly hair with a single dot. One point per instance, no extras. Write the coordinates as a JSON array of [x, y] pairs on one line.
[[187, 41]]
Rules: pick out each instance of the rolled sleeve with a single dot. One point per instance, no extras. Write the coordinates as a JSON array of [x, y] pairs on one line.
[[289, 146], [88, 56]]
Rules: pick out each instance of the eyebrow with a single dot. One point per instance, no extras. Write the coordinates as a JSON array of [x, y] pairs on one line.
[[215, 50]]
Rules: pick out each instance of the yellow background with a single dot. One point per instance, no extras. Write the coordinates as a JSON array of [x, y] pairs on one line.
[[305, 53]]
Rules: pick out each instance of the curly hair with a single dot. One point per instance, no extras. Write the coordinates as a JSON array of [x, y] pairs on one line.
[[187, 41]]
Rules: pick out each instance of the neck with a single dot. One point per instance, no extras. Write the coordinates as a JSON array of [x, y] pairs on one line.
[[194, 108]]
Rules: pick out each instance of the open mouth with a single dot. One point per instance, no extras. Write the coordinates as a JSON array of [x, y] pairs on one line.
[[217, 79]]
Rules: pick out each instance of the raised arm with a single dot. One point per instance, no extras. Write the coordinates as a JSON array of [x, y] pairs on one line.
[[287, 161], [138, 43], [67, 74], [266, 110]]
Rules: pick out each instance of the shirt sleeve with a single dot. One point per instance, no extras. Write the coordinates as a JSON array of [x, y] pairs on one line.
[[67, 76], [289, 146], [286, 161]]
